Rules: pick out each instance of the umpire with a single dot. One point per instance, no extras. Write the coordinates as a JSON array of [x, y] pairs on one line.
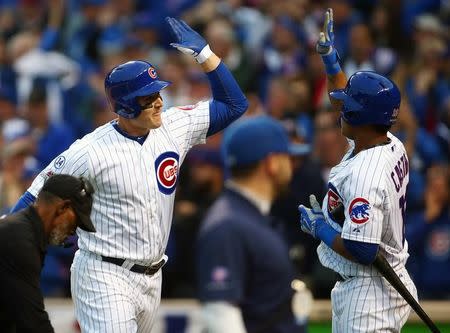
[[64, 203]]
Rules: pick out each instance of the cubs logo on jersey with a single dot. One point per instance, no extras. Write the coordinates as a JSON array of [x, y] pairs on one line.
[[46, 175], [166, 168], [333, 201], [359, 210]]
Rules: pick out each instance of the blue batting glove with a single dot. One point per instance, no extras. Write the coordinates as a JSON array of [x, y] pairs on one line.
[[325, 45], [326, 37], [311, 218], [188, 41]]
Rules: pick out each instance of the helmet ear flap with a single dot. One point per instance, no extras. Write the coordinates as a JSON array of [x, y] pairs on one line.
[[350, 116], [129, 109], [351, 111]]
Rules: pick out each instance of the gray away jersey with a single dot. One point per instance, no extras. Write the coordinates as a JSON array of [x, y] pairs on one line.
[[134, 184], [372, 187]]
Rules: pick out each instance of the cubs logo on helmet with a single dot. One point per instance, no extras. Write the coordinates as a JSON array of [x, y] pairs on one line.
[[166, 168], [359, 210], [152, 73]]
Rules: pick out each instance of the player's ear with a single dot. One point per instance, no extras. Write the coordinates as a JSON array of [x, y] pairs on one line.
[[271, 164]]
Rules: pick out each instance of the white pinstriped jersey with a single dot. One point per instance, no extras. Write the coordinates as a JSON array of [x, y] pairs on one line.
[[372, 187], [134, 184]]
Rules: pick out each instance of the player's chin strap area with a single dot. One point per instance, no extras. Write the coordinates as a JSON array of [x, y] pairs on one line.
[[147, 270]]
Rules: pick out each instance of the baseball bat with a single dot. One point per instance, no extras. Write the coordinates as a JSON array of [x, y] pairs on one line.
[[385, 269], [382, 265]]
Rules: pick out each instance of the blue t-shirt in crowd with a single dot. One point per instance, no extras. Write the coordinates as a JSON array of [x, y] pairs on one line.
[[429, 247], [54, 141], [242, 260]]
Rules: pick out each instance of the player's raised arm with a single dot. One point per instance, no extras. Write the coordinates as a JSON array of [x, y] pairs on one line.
[[229, 102], [336, 78]]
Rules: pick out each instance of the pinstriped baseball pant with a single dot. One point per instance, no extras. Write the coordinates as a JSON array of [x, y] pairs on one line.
[[111, 298], [370, 304]]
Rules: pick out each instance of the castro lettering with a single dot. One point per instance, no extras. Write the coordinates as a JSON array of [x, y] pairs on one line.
[[400, 172]]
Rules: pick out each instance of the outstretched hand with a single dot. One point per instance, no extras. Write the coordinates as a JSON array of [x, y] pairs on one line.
[[188, 41], [325, 44]]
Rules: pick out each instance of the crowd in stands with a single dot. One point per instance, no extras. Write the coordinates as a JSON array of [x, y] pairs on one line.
[[54, 55]]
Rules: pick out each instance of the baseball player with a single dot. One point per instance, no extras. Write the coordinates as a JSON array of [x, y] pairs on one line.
[[363, 210], [133, 163]]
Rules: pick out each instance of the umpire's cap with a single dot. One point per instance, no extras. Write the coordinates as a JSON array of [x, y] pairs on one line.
[[252, 139], [79, 191]]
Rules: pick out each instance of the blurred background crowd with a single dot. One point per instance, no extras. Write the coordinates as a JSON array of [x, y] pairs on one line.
[[54, 55]]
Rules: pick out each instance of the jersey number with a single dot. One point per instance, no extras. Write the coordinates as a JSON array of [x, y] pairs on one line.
[[402, 204]]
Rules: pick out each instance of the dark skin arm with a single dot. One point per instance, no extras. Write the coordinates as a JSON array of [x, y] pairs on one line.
[[337, 81], [339, 248]]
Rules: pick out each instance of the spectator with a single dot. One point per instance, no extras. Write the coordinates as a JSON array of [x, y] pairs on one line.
[[13, 156], [427, 84], [175, 69], [252, 25], [283, 53], [345, 17], [83, 34], [443, 128], [51, 138], [290, 100], [7, 104], [364, 55], [329, 145], [428, 235], [222, 37], [147, 27]]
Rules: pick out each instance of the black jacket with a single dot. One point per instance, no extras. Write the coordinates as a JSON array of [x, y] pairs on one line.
[[23, 246]]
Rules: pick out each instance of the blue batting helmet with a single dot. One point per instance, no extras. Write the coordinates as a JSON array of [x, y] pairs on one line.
[[130, 80], [369, 99]]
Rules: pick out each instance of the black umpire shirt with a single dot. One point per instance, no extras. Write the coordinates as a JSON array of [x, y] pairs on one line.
[[23, 245]]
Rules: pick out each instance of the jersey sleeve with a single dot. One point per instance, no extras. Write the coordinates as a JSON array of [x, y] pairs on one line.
[[188, 124], [221, 269], [364, 203], [74, 161]]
